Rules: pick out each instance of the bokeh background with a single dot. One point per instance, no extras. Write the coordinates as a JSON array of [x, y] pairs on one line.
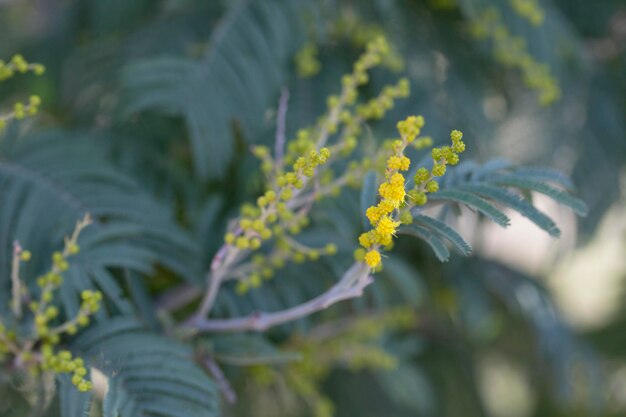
[[170, 94]]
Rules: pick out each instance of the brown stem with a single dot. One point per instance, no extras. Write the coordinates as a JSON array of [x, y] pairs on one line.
[[351, 285]]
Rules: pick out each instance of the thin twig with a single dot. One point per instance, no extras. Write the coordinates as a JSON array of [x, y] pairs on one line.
[[281, 118], [15, 281], [351, 285], [214, 369], [215, 278]]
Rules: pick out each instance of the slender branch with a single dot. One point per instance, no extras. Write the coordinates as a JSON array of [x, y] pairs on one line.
[[15, 281], [215, 278], [351, 285], [214, 369], [279, 147]]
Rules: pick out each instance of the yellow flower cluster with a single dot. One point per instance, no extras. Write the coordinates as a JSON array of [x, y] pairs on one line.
[[283, 208], [392, 193], [18, 64], [529, 9], [306, 154], [512, 51], [307, 64], [46, 335], [393, 208]]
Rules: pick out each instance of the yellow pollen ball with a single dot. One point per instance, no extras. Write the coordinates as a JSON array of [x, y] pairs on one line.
[[372, 258], [400, 163], [386, 227]]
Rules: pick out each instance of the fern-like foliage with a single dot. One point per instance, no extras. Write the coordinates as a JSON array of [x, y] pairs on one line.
[[488, 189], [148, 375], [254, 41], [218, 67], [43, 194], [73, 403]]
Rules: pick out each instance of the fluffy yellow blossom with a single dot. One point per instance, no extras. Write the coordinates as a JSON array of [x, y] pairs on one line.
[[372, 258], [399, 163], [367, 239], [386, 226], [393, 190], [373, 214], [384, 207], [385, 229]]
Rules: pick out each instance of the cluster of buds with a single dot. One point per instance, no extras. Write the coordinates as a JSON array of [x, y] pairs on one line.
[[62, 362], [530, 10], [263, 266], [377, 107], [425, 180], [36, 351], [359, 33], [18, 65], [512, 51], [307, 63], [299, 175], [272, 206]]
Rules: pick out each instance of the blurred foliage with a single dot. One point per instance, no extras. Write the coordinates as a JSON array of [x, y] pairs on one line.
[[148, 110]]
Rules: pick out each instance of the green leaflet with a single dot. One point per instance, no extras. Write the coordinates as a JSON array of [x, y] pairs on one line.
[[437, 245], [148, 373], [517, 203], [458, 195], [446, 231], [240, 75], [43, 195], [526, 183]]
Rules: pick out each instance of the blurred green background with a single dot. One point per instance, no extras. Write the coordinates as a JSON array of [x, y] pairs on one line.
[[149, 108]]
